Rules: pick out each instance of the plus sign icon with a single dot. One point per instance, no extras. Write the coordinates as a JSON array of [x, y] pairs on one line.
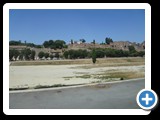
[[147, 99]]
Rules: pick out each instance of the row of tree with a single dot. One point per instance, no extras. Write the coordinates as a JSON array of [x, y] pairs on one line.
[[26, 54], [102, 52], [53, 44], [74, 54], [18, 43], [46, 55]]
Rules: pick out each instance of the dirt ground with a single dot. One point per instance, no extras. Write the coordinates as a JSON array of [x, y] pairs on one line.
[[32, 76]]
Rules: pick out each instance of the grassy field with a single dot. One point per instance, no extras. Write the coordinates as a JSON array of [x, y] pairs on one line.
[[108, 62]]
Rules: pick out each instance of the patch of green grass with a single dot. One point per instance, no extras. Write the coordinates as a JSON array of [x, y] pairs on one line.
[[98, 81], [48, 86], [84, 76]]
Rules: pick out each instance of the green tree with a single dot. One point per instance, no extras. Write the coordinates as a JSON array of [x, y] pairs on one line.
[[21, 56], [82, 40], [41, 54], [57, 55], [71, 41], [50, 42], [11, 54], [141, 53], [46, 55], [94, 56], [65, 54], [59, 44], [94, 42], [100, 53], [26, 53], [16, 54], [126, 53], [46, 44], [65, 46], [131, 49], [14, 42], [30, 45], [51, 56], [108, 40], [38, 46], [33, 53]]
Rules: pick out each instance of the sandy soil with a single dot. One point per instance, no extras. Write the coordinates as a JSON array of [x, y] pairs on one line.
[[31, 76]]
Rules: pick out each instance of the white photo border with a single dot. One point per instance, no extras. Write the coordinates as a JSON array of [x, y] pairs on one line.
[[9, 6]]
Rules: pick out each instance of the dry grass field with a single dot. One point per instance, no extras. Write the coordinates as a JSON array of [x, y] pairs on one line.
[[55, 73]]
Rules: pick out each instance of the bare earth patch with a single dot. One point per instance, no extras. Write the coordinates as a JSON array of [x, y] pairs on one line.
[[43, 76]]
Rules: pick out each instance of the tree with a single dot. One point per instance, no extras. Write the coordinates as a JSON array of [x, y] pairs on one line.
[[60, 44], [41, 54], [82, 40], [33, 53], [54, 44], [108, 40], [141, 53], [57, 55], [21, 56], [16, 54], [38, 46], [26, 53], [131, 49], [65, 54], [100, 53], [11, 54], [46, 44], [13, 42], [65, 46], [30, 45], [46, 55], [51, 56], [94, 56], [71, 41], [94, 42], [50, 42]]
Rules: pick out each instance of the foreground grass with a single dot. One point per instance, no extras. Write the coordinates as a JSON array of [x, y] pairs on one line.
[[42, 86]]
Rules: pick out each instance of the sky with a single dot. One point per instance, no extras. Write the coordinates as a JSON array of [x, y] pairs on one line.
[[39, 25]]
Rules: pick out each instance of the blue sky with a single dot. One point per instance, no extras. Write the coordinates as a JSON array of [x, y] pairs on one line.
[[38, 25]]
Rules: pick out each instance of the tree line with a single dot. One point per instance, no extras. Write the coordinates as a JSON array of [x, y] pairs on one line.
[[26, 54], [19, 43], [102, 52], [53, 44]]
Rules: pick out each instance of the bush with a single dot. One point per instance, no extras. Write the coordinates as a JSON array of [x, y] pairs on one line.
[[121, 78], [94, 56], [41, 54]]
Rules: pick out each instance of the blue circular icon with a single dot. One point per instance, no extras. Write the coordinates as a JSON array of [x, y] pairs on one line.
[[147, 99]]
